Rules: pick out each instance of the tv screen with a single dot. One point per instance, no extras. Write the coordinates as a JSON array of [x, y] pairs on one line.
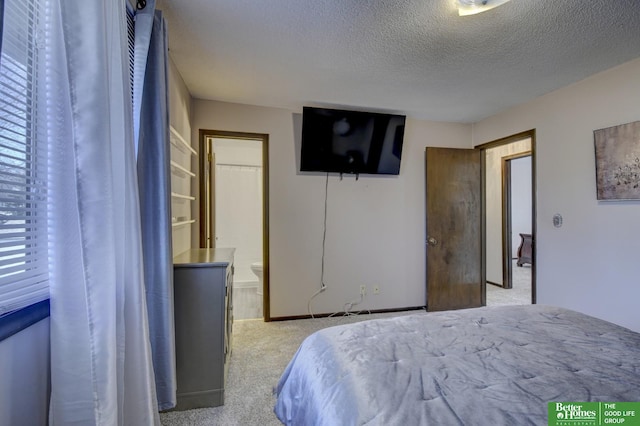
[[342, 141]]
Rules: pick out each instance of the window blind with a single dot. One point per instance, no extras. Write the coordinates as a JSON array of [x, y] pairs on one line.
[[23, 160], [131, 42]]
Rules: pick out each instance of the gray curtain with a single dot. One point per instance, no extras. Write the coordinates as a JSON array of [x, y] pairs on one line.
[[154, 181]]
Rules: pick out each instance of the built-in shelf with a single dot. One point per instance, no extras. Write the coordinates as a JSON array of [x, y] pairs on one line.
[[179, 142], [182, 196], [181, 162], [179, 170], [183, 222]]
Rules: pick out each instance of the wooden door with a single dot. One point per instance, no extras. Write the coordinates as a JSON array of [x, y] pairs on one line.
[[454, 229]]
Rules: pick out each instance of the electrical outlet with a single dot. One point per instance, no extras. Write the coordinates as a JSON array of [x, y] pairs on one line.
[[376, 289], [363, 289]]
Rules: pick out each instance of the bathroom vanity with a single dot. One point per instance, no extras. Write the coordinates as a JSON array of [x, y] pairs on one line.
[[203, 280]]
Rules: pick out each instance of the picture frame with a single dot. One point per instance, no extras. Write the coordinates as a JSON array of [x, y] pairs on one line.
[[617, 152]]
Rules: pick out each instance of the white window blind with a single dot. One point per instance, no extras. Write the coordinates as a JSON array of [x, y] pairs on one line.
[[23, 159]]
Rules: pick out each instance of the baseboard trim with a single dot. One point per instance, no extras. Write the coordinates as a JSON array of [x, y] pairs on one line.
[[373, 311]]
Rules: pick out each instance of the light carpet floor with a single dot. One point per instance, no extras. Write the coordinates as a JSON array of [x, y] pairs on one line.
[[261, 351], [520, 294]]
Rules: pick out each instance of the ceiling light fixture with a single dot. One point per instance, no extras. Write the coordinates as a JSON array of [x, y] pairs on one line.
[[471, 7]]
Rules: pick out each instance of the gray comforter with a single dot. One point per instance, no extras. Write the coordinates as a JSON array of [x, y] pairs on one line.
[[484, 366]]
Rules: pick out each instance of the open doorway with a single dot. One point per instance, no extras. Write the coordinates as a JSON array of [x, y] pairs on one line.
[[517, 218], [234, 212], [509, 176]]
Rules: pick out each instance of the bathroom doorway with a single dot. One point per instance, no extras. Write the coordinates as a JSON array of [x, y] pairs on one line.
[[234, 212]]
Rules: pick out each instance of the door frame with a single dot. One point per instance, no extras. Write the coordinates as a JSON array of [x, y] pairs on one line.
[[205, 194], [507, 232]]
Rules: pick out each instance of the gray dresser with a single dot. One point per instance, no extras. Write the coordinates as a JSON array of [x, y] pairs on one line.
[[204, 319]]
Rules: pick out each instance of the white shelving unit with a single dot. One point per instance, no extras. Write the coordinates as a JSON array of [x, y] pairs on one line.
[[181, 175], [178, 170], [179, 142], [184, 222], [182, 196]]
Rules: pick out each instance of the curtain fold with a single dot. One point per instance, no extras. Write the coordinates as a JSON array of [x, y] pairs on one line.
[[1, 21], [144, 19], [154, 183], [101, 368]]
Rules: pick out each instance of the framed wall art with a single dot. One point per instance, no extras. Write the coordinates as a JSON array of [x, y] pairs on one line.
[[618, 162]]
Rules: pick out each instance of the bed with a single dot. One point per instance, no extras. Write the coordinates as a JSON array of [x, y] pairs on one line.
[[490, 365]]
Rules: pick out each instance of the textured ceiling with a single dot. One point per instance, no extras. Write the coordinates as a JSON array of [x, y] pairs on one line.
[[416, 57]]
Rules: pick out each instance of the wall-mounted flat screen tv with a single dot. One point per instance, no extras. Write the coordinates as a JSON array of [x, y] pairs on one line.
[[357, 142]]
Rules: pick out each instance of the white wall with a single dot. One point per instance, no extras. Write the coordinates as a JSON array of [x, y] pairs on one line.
[[590, 264], [375, 226], [493, 203], [25, 372]]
